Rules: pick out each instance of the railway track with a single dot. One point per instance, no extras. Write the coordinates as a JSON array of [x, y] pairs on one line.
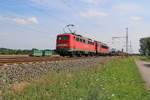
[[12, 60], [19, 60]]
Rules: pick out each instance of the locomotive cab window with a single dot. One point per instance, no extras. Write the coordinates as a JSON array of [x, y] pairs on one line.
[[63, 38], [83, 41], [80, 40], [77, 39]]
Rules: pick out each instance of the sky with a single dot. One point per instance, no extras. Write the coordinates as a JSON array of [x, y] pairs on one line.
[[26, 24]]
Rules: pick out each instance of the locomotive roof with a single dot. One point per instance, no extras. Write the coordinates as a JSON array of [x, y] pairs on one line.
[[84, 38], [102, 43], [76, 35]]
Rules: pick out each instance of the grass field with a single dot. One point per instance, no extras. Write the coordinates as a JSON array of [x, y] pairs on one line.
[[119, 79], [144, 58]]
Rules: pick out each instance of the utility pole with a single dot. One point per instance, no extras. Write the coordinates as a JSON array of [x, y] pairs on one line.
[[130, 47], [126, 40], [126, 37]]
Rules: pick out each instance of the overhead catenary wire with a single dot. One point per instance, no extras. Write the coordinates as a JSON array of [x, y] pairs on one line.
[[126, 37]]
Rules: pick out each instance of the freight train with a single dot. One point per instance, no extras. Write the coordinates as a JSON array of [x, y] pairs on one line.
[[71, 44], [40, 53]]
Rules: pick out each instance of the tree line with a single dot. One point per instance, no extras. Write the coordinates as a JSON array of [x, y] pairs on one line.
[[145, 46], [6, 51]]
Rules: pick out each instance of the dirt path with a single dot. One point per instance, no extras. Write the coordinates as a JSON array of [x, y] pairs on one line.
[[144, 68]]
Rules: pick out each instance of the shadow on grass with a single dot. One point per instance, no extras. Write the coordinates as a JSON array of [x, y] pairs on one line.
[[147, 65]]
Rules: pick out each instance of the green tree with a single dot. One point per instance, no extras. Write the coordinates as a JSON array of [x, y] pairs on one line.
[[6, 51], [145, 46]]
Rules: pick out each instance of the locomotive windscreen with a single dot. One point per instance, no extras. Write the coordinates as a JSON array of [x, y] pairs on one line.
[[63, 38]]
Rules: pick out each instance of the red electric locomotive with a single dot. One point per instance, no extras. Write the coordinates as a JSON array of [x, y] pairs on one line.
[[70, 44], [102, 48]]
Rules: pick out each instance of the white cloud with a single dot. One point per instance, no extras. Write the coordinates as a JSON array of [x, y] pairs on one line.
[[56, 5], [93, 14], [45, 2], [93, 1], [31, 20], [20, 20], [136, 18], [41, 2], [127, 8], [48, 3]]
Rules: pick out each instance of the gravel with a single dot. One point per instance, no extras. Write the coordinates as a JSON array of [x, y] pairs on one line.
[[10, 74]]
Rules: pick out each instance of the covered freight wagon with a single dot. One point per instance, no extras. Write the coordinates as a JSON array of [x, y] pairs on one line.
[[37, 53], [47, 52]]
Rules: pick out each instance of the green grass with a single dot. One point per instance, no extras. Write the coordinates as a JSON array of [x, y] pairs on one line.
[[145, 58], [117, 80]]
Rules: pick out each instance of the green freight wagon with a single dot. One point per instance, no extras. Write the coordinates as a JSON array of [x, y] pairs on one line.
[[37, 53], [47, 53]]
